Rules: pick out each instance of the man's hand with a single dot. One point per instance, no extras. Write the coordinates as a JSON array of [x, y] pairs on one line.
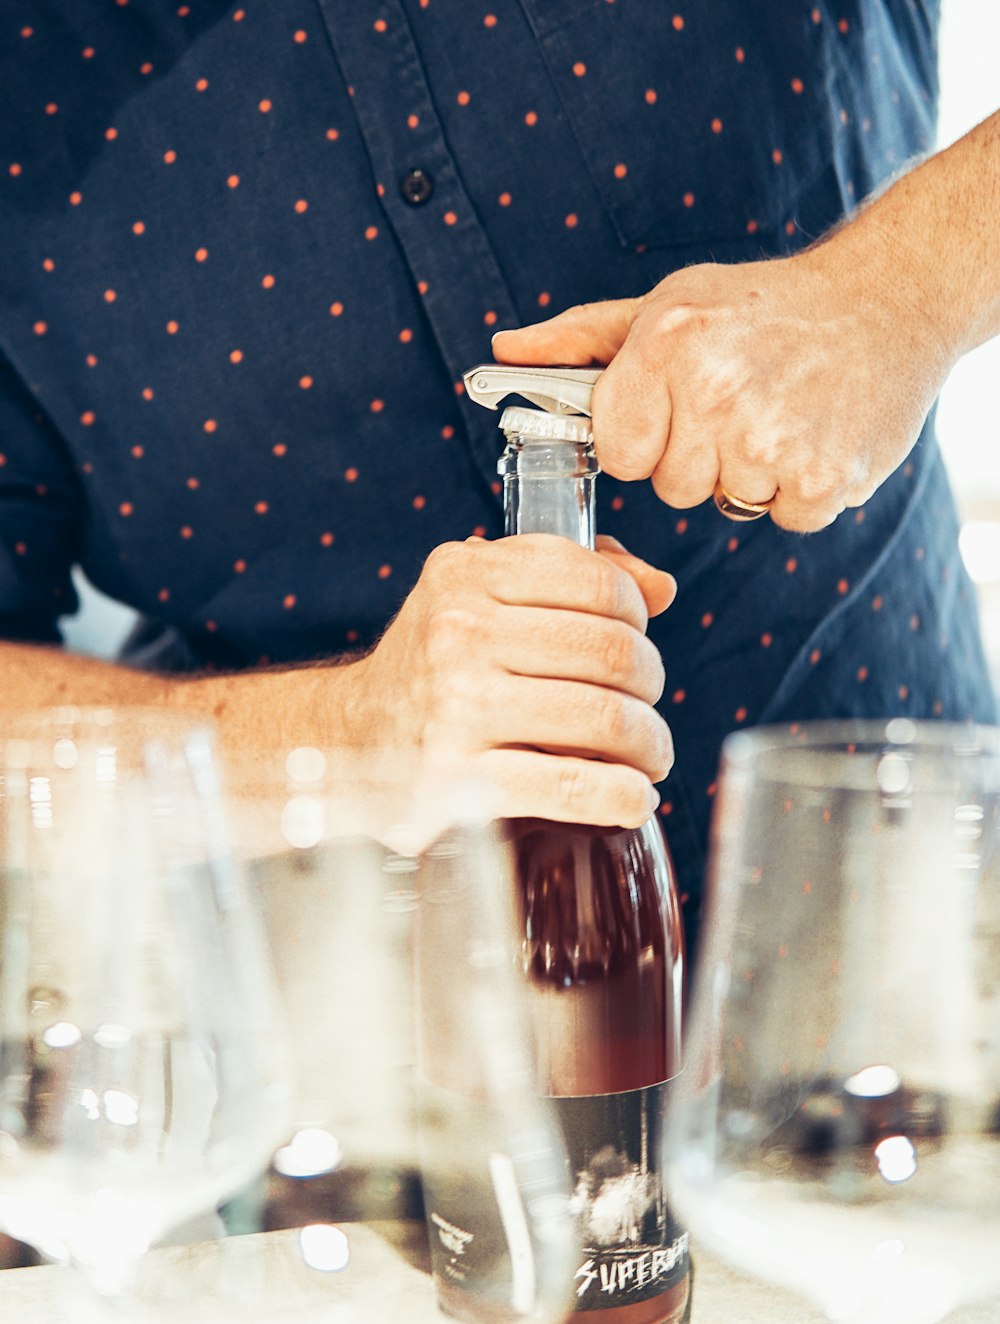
[[525, 661], [806, 379]]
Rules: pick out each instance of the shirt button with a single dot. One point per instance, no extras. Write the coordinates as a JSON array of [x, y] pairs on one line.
[[416, 187]]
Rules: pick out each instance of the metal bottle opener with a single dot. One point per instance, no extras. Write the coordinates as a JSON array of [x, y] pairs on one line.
[[556, 390], [568, 391]]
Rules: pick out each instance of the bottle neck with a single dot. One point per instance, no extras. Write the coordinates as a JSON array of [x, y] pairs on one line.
[[548, 487]]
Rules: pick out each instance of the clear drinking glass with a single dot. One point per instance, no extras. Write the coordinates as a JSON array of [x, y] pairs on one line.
[[839, 1127], [389, 910], [142, 1079], [496, 1175], [338, 905]]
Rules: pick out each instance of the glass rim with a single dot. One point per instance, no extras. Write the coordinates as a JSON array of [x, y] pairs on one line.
[[834, 746], [102, 714], [124, 724]]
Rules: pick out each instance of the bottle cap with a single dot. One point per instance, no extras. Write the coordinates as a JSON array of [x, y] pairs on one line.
[[531, 424]]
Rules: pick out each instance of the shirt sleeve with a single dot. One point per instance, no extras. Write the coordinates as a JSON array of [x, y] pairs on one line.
[[41, 518]]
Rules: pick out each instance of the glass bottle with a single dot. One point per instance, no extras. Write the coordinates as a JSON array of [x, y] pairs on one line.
[[602, 949]]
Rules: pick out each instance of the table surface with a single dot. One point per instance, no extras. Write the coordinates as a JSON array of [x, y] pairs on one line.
[[261, 1277]]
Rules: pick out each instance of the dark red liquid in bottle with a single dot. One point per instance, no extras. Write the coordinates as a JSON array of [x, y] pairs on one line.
[[603, 956]]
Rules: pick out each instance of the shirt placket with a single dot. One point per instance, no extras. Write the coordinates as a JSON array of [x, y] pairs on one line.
[[423, 195]]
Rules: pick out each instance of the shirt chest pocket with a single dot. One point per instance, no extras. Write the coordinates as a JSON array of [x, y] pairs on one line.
[[695, 126]]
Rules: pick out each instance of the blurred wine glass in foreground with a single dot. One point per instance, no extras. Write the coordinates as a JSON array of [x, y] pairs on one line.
[[389, 910], [839, 1129], [141, 1075]]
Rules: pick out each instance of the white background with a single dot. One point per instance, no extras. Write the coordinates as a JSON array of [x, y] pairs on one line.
[[969, 417]]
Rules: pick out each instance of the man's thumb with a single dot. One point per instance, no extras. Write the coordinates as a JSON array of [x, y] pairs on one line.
[[588, 333]]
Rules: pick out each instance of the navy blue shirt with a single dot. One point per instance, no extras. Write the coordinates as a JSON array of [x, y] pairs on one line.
[[248, 250]]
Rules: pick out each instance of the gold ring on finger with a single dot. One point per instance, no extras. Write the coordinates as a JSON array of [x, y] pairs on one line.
[[736, 509]]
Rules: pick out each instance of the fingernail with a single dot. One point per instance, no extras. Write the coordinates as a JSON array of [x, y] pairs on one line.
[[653, 799]]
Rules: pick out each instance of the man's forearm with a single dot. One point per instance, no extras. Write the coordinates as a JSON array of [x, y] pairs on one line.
[[254, 710], [939, 228]]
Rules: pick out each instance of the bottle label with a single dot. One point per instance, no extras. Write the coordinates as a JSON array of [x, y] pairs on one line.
[[632, 1247]]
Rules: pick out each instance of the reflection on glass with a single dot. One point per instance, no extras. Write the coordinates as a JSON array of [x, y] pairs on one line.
[[324, 1247], [141, 1079], [389, 912], [838, 1128]]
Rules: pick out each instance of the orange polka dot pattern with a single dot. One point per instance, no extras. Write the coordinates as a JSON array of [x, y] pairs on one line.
[[250, 249]]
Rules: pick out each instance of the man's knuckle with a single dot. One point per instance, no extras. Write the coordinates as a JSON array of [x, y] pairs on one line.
[[605, 588], [725, 379], [665, 757], [628, 456], [621, 655], [819, 485], [678, 492], [812, 488], [611, 717], [445, 565], [799, 520], [628, 797], [658, 673], [451, 632], [573, 783], [756, 449], [457, 698], [667, 321]]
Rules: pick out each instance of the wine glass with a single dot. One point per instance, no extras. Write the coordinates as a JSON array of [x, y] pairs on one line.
[[495, 1169], [390, 912], [141, 1073], [838, 1130]]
